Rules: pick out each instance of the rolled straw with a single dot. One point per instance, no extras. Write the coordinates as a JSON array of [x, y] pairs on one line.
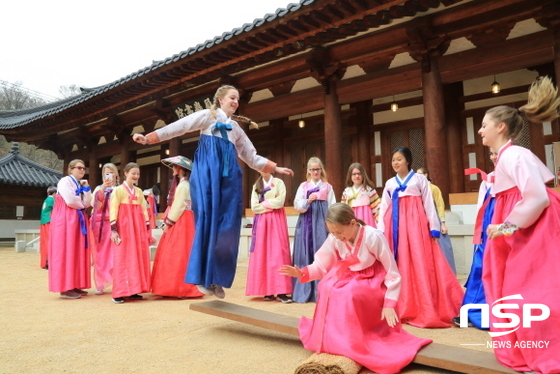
[[325, 363]]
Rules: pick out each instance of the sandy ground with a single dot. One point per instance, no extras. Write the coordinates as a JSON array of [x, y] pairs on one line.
[[41, 333]]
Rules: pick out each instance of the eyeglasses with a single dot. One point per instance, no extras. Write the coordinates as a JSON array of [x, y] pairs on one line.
[[356, 174], [79, 167], [314, 170]]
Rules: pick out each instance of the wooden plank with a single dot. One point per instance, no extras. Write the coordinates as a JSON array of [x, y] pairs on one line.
[[251, 316], [435, 355]]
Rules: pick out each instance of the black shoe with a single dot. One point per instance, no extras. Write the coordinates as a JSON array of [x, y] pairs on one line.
[[118, 300], [457, 322], [135, 297], [284, 298], [269, 298]]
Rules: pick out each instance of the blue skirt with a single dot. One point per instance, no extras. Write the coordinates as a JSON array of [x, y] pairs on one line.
[[474, 292], [310, 234], [217, 203]]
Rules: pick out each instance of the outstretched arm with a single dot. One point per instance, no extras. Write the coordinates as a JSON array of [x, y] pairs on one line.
[[291, 271], [283, 170]]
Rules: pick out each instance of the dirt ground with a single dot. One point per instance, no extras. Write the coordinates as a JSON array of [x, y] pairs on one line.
[[41, 333]]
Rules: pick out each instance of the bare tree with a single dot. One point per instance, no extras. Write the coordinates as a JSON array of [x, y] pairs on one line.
[[69, 91], [14, 97]]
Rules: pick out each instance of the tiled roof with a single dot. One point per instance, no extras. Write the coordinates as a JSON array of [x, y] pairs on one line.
[[10, 119], [19, 171]]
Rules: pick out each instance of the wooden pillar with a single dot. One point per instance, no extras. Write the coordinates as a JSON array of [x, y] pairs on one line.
[[364, 123], [278, 154], [93, 167], [453, 107], [175, 147], [333, 137], [164, 177], [556, 30], [437, 157]]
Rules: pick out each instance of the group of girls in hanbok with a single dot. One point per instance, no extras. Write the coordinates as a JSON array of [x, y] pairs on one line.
[[396, 271]]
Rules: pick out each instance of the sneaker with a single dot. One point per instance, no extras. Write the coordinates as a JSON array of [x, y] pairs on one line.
[[99, 292], [70, 295], [205, 290], [219, 291], [135, 297], [118, 300], [81, 292], [284, 298], [457, 322], [269, 298]]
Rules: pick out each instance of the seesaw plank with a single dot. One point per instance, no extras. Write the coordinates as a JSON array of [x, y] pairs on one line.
[[441, 356]]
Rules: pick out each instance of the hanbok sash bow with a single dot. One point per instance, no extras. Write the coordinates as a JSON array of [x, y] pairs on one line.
[[395, 215], [224, 127], [256, 220]]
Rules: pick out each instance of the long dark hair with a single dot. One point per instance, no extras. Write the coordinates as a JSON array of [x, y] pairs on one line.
[[406, 153]]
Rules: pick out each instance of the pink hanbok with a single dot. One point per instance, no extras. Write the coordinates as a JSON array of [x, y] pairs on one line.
[[131, 261], [101, 239], [357, 282], [69, 258], [270, 246], [526, 263], [431, 294], [364, 201]]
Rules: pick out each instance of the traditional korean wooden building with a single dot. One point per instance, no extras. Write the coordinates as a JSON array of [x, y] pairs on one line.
[[23, 186], [337, 65]]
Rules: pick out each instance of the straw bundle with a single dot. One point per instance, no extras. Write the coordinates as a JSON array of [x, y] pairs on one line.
[[325, 363]]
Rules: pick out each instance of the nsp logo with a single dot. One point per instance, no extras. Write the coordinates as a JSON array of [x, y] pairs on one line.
[[498, 311]]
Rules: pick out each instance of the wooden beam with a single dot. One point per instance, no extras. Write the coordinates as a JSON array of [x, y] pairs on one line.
[[436, 355], [251, 316]]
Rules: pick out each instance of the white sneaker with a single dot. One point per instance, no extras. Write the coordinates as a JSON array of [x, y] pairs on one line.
[[205, 290], [99, 292], [219, 291]]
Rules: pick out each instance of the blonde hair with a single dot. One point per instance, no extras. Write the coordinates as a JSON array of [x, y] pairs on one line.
[[73, 164], [542, 106], [341, 214], [113, 167], [316, 160], [220, 94]]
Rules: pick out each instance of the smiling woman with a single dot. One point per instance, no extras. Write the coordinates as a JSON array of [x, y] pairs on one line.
[[69, 264], [216, 173], [131, 237]]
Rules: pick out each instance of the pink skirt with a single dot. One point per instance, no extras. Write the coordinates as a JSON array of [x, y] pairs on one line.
[[526, 263], [364, 213], [69, 257], [347, 322], [44, 231], [172, 258], [131, 258], [102, 253], [430, 293], [271, 251]]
